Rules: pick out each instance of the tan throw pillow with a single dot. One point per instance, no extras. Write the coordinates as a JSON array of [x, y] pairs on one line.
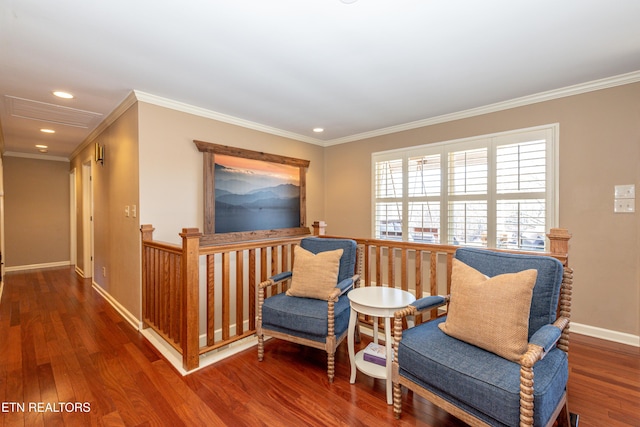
[[490, 313], [314, 275]]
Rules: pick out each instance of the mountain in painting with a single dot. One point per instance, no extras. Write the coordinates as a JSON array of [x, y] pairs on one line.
[[247, 201]]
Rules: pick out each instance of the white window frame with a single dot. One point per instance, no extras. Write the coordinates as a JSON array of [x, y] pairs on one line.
[[549, 132]]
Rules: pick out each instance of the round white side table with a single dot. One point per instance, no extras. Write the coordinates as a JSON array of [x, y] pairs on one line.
[[376, 301]]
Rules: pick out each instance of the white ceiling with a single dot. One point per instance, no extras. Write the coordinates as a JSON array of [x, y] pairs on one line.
[[292, 65]]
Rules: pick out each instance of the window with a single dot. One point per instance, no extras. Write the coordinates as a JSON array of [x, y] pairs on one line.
[[494, 191]]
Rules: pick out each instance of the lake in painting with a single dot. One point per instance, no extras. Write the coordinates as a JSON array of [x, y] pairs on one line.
[[255, 195]]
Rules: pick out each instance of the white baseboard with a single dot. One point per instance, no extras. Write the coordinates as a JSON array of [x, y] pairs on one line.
[[37, 266], [205, 360], [79, 272], [126, 314], [606, 334]]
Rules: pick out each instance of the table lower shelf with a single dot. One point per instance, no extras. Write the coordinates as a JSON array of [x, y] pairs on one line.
[[372, 369]]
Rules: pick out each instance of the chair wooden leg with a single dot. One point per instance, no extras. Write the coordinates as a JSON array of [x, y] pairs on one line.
[[397, 400], [565, 418], [331, 365], [260, 347]]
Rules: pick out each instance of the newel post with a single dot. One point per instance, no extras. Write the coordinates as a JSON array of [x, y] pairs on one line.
[[190, 302], [146, 233], [559, 241], [319, 228]]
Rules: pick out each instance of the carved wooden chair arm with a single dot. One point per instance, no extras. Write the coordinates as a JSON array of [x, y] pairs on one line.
[[540, 344]]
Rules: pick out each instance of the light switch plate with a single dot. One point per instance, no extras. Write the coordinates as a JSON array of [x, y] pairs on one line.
[[625, 191], [624, 206]]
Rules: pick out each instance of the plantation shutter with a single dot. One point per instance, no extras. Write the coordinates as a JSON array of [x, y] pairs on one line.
[[490, 191]]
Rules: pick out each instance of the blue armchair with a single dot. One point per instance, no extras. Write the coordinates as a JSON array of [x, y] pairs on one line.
[[475, 384], [320, 321]]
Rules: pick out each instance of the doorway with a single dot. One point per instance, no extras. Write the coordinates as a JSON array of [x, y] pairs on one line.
[[73, 219], [87, 222]]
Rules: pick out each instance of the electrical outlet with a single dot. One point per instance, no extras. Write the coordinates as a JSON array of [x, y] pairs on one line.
[[104, 271]]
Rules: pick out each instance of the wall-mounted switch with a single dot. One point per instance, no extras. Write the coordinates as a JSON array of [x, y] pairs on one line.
[[134, 211], [624, 206], [624, 198], [126, 211], [625, 191]]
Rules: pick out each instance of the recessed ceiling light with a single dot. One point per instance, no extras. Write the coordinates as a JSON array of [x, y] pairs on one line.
[[47, 131], [65, 95], [42, 146], [318, 130]]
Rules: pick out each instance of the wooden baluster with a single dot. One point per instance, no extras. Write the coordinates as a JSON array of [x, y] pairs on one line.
[[433, 280], [418, 274], [252, 289], [211, 299], [239, 292], [179, 304], [367, 265], [274, 267], [263, 267], [378, 266], [449, 270], [392, 267], [174, 304], [155, 287], [404, 268], [226, 296]]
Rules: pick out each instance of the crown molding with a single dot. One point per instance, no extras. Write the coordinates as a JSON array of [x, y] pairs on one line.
[[35, 156], [578, 89], [209, 114]]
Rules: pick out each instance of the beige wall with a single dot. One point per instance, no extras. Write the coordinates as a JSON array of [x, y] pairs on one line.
[[37, 212], [171, 166], [116, 239], [599, 148]]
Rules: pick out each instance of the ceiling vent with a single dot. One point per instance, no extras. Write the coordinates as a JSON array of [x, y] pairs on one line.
[[51, 113]]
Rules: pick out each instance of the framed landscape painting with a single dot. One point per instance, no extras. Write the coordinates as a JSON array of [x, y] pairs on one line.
[[250, 195]]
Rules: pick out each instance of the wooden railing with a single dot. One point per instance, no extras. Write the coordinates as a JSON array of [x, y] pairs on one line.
[[172, 289]]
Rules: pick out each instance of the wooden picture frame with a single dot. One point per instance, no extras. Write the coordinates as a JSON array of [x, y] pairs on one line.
[[229, 233]]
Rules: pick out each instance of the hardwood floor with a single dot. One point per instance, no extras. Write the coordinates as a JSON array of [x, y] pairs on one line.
[[67, 358]]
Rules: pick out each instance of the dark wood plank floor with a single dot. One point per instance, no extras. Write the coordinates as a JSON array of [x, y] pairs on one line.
[[67, 358]]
